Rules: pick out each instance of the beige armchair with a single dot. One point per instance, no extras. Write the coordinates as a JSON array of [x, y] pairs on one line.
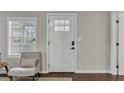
[[29, 65]]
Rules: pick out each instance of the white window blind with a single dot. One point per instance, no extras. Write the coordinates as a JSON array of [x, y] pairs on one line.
[[22, 34]]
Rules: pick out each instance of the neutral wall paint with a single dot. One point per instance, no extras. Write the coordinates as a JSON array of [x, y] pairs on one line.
[[93, 39], [94, 47], [41, 27]]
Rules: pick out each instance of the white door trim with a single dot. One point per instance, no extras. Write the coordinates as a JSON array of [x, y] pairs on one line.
[[93, 71], [114, 17], [74, 14]]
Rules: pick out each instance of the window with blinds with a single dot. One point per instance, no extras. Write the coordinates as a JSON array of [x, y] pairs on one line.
[[22, 34]]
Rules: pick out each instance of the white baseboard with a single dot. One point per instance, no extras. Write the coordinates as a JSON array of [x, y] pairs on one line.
[[86, 71], [44, 71], [92, 71]]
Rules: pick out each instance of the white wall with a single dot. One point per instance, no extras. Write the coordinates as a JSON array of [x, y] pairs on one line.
[[94, 48], [93, 35]]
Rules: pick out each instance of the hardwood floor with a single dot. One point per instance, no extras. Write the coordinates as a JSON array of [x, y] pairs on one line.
[[83, 77], [86, 77]]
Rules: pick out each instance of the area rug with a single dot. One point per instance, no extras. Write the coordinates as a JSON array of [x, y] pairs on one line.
[[38, 79]]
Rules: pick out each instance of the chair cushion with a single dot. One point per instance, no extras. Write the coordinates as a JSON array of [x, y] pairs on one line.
[[20, 71], [28, 62]]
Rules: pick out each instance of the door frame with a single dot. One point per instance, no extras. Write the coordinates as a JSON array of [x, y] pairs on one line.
[[114, 33], [74, 14]]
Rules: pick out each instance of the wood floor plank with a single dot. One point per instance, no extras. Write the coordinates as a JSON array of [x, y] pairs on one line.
[[82, 77]]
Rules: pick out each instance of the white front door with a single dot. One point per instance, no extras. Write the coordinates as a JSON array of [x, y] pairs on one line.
[[121, 44], [61, 43]]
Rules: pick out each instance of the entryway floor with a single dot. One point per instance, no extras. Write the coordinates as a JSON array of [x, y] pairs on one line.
[[64, 76], [82, 77], [86, 77]]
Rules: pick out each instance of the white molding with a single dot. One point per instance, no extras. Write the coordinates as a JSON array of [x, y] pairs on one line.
[[92, 71], [76, 44], [44, 71], [47, 55], [113, 42], [85, 71]]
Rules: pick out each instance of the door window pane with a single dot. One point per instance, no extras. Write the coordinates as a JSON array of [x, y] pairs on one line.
[[66, 28], [67, 22], [56, 28], [61, 28], [61, 22], [62, 25], [56, 22]]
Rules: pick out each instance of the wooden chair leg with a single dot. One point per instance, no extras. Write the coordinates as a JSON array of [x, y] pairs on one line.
[[38, 74], [11, 78]]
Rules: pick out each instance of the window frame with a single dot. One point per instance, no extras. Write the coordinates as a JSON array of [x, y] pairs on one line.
[[19, 18]]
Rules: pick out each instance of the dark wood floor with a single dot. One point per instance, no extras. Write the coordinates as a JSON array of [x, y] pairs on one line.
[[84, 77]]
